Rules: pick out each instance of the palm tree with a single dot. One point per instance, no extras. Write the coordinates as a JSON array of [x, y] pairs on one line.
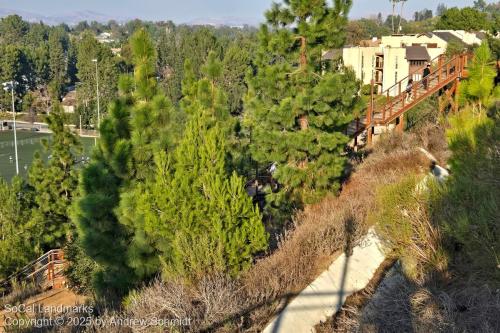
[[401, 14], [393, 2]]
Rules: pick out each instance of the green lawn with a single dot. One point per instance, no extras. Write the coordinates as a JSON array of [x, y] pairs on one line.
[[27, 144]]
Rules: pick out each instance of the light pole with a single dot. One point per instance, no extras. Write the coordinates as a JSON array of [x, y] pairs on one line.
[[97, 91], [98, 101], [10, 86]]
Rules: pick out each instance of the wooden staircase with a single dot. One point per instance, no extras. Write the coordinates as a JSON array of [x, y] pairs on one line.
[[46, 272], [391, 105]]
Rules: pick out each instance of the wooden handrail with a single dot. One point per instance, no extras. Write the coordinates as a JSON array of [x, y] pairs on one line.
[[46, 262], [397, 99], [394, 107], [411, 74]]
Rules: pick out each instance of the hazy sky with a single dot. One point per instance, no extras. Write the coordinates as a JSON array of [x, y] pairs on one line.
[[186, 10]]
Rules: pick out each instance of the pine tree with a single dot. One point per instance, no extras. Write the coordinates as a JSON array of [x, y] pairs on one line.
[[138, 126], [236, 63], [57, 62], [54, 183], [17, 245], [198, 217], [100, 233], [154, 123], [479, 88], [295, 113], [192, 216], [88, 50]]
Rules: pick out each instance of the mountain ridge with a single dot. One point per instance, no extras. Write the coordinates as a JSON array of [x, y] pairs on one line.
[[73, 18]]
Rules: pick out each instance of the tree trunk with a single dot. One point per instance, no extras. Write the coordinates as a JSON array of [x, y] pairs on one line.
[[392, 17], [401, 16]]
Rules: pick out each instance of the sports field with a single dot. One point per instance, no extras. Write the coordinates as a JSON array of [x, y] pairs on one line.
[[27, 144]]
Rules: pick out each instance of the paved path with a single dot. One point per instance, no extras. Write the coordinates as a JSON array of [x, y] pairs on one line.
[[51, 299], [324, 296]]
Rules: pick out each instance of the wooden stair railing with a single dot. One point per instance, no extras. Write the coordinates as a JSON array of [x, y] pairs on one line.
[[45, 272], [396, 103]]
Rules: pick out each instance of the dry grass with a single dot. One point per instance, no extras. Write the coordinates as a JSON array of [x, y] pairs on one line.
[[318, 234], [400, 305], [430, 290], [20, 291]]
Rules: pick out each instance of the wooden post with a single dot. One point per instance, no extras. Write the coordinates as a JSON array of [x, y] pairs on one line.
[[440, 70], [399, 123], [356, 135], [457, 86], [369, 121]]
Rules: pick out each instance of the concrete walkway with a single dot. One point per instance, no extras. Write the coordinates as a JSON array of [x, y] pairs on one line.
[[325, 296]]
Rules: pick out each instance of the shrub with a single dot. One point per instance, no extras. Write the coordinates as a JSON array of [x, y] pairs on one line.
[[403, 220], [468, 207]]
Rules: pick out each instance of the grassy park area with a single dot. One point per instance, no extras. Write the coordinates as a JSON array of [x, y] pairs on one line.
[[27, 144]]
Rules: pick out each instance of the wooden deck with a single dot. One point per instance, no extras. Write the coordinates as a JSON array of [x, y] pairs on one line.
[[445, 76]]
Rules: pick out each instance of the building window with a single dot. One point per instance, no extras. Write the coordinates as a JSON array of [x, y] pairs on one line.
[[396, 77], [396, 62]]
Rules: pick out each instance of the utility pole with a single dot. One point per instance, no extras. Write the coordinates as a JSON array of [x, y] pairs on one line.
[[10, 86], [98, 99]]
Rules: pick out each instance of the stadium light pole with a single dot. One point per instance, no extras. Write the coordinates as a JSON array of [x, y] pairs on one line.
[[98, 97], [10, 86]]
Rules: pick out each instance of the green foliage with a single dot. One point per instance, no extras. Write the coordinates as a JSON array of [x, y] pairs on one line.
[[88, 50], [422, 15], [177, 44], [296, 115], [13, 65], [17, 245], [54, 184], [58, 46], [454, 48], [144, 59], [402, 215], [13, 29], [469, 207], [201, 219], [81, 269], [479, 88], [187, 213], [466, 18], [426, 112], [139, 125], [101, 235], [235, 64]]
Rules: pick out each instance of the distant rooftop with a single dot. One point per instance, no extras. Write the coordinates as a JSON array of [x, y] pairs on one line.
[[449, 37], [417, 53]]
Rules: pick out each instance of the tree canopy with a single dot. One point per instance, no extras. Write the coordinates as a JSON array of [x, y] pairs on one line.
[[296, 114], [466, 18]]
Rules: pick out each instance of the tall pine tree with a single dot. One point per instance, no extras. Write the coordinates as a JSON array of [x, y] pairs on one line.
[[137, 127], [295, 112], [54, 183], [192, 216], [101, 235], [17, 245]]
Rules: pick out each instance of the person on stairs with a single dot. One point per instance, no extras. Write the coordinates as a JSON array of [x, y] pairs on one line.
[[427, 71], [409, 86]]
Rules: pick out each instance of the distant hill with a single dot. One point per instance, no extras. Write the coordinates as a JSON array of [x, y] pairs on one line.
[[225, 21], [73, 18], [70, 18]]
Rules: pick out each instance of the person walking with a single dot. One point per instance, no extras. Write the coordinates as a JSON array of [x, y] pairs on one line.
[[427, 71], [409, 86]]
